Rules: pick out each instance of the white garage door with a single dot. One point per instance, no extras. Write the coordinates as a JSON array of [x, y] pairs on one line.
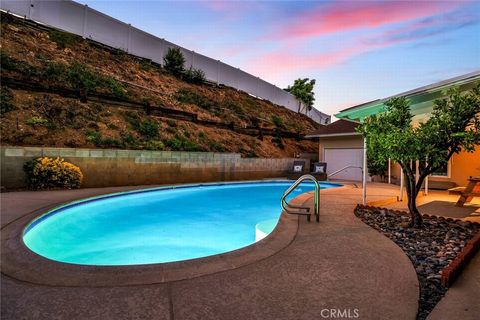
[[337, 159]]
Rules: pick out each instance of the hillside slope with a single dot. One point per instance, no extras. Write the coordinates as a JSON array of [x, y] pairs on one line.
[[61, 90]]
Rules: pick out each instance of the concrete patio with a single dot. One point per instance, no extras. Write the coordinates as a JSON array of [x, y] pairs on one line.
[[339, 263]]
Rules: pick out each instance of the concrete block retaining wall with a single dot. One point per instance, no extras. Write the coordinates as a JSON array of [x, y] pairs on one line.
[[103, 167]]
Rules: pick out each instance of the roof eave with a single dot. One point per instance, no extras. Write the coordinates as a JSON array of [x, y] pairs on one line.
[[333, 135], [360, 111]]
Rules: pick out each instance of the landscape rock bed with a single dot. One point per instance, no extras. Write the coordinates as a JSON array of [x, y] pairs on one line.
[[431, 249]]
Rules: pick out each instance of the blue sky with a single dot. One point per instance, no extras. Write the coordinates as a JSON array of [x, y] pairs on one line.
[[356, 50]]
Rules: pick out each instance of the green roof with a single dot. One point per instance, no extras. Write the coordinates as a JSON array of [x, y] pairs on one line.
[[421, 99]]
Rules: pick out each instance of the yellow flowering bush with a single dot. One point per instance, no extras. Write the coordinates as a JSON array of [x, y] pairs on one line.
[[47, 173]]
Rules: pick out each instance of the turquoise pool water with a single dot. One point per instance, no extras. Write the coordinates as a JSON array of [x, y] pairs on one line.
[[158, 225]]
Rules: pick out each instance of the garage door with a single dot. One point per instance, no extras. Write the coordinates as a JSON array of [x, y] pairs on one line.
[[337, 159]]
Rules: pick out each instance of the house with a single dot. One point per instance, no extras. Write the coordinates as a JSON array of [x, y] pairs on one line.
[[340, 145]]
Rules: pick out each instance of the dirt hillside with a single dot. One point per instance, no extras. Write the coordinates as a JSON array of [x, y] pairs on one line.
[[64, 91]]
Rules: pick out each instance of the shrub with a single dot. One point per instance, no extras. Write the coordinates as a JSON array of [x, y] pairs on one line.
[[154, 145], [36, 121], [216, 146], [188, 96], [248, 153], [235, 108], [255, 121], [82, 77], [195, 76], [107, 142], [180, 143], [46, 173], [64, 39], [6, 98], [111, 143], [116, 87], [174, 62], [278, 122], [133, 119], [149, 128], [94, 136], [56, 71], [278, 142], [145, 65], [128, 139], [7, 62], [171, 129], [171, 123]]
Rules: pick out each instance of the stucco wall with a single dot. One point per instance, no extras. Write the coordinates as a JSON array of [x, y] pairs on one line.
[[339, 143], [462, 166], [103, 168]]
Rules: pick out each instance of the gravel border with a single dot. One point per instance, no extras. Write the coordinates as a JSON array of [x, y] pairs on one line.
[[431, 249]]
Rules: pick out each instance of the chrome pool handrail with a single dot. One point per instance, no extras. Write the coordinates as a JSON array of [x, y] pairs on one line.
[[285, 205], [344, 168]]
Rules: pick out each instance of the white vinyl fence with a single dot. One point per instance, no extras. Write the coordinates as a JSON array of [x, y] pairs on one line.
[[83, 21]]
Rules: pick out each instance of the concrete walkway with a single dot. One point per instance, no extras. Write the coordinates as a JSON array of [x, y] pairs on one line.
[[339, 264], [437, 202], [462, 300]]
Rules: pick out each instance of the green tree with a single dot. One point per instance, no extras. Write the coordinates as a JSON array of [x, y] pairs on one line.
[[174, 62], [453, 126], [376, 166], [302, 89]]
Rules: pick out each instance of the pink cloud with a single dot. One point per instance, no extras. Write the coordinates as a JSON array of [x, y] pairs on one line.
[[274, 63], [348, 16], [287, 60]]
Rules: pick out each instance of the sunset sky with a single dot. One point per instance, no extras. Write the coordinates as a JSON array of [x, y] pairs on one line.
[[356, 50]]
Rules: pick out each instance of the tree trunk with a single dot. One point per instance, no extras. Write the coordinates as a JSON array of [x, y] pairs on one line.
[[416, 218], [412, 192]]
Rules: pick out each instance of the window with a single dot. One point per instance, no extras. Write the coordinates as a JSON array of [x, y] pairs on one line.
[[443, 172]]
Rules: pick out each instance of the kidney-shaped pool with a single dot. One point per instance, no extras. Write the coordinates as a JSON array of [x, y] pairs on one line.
[[159, 225]]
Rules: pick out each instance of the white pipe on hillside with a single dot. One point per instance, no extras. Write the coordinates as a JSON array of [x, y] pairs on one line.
[[364, 173]]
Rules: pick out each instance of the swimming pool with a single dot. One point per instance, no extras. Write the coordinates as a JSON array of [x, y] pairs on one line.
[[159, 225]]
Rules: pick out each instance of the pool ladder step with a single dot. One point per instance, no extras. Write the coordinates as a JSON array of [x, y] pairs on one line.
[[302, 210]]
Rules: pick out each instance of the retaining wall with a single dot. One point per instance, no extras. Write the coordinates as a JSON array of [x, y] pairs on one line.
[[105, 167]]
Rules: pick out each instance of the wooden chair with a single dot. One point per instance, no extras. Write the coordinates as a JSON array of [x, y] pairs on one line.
[[470, 191]]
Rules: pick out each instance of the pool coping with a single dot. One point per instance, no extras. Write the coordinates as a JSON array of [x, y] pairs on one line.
[[20, 263]]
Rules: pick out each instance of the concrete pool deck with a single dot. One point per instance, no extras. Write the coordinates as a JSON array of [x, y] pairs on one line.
[[339, 264]]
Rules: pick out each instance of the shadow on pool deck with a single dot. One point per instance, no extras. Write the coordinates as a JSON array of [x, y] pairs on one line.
[[339, 263]]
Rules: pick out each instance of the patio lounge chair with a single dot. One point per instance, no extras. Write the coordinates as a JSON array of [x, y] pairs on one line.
[[297, 170], [319, 170]]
